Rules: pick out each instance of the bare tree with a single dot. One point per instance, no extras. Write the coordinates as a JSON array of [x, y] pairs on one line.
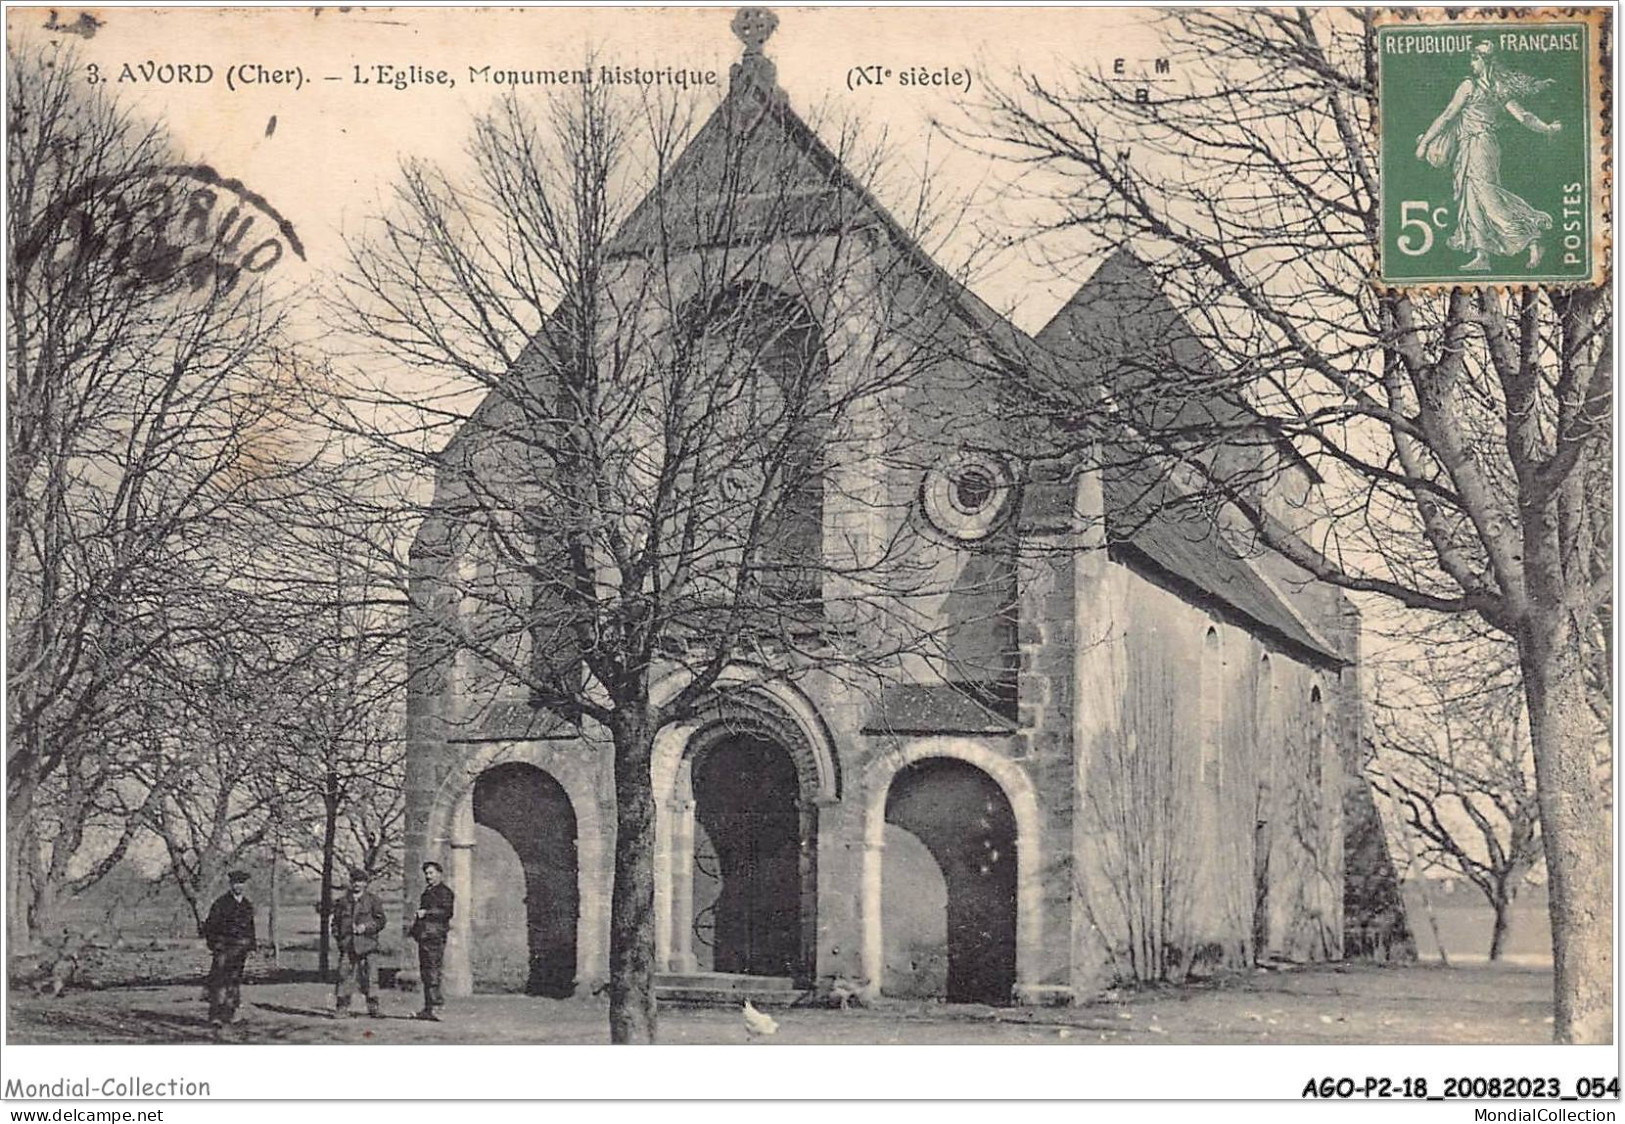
[[147, 417], [1450, 747], [335, 773], [1461, 439], [1142, 839], [206, 805], [666, 418]]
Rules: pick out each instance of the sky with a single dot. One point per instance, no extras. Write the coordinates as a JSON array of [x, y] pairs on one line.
[[323, 148]]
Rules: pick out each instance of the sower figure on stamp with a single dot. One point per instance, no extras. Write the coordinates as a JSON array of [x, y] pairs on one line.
[[429, 929], [229, 932], [1489, 218], [360, 919]]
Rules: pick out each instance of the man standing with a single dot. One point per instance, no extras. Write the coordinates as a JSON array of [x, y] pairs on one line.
[[229, 931], [360, 920], [429, 929]]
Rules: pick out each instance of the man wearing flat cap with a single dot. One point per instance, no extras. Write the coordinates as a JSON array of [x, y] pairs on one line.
[[229, 932], [360, 919], [429, 929]]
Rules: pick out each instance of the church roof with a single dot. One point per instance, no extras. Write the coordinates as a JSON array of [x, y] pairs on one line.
[[1169, 539], [1120, 332], [933, 708]]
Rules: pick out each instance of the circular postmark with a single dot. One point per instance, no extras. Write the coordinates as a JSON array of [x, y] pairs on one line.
[[181, 225]]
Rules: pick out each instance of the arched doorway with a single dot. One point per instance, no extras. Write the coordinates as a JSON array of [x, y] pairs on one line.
[[963, 819], [529, 810], [752, 859]]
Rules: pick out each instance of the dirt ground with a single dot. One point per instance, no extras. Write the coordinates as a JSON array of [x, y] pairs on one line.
[[1327, 1005]]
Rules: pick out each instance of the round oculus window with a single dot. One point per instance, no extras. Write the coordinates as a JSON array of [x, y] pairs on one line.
[[968, 495]]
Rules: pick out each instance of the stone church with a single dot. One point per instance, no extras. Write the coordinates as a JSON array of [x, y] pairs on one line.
[[1146, 765]]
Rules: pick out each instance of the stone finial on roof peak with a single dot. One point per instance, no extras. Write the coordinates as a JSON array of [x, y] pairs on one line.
[[753, 27]]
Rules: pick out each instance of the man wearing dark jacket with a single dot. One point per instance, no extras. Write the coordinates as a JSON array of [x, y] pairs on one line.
[[359, 920], [430, 929], [229, 931]]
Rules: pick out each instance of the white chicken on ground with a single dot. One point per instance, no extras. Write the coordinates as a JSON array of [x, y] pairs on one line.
[[758, 1025]]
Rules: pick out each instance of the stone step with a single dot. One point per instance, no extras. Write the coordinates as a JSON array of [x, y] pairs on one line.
[[711, 997], [735, 981], [726, 989]]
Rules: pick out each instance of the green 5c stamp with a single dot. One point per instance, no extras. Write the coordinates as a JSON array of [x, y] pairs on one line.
[[1492, 168]]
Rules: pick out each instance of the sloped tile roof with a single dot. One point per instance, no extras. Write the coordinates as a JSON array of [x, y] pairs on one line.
[[932, 708], [1149, 530], [1120, 330]]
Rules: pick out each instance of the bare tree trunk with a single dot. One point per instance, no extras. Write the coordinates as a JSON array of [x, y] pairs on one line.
[[631, 910], [1577, 824], [52, 875], [22, 867], [42, 908], [271, 916], [1503, 924], [329, 845]]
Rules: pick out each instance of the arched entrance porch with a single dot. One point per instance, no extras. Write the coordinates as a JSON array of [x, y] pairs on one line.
[[466, 846], [1019, 796]]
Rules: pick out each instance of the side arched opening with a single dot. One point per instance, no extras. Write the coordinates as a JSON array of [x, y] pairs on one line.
[[959, 817], [526, 890]]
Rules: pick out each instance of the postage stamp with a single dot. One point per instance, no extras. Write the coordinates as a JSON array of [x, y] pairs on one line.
[[1493, 155]]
